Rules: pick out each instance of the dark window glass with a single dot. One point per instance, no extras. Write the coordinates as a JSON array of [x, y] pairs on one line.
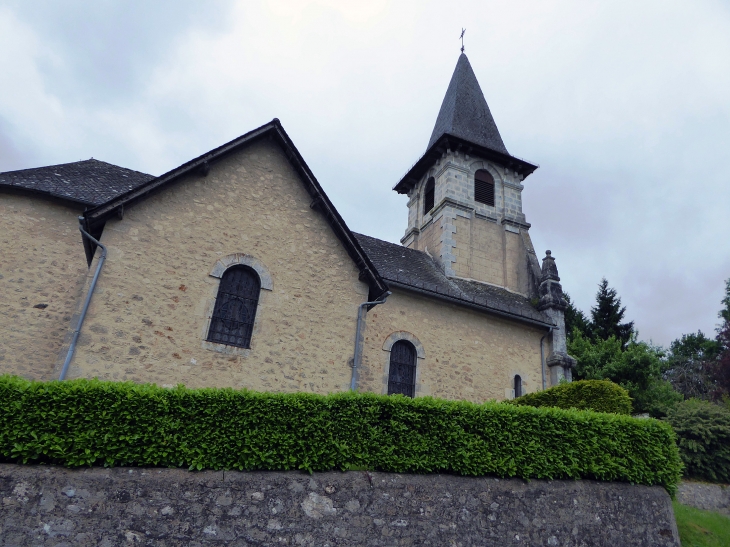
[[518, 386], [402, 375], [428, 195], [235, 307], [484, 187]]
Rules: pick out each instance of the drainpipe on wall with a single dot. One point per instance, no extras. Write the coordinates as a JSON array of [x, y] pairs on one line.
[[358, 331], [542, 356], [75, 335]]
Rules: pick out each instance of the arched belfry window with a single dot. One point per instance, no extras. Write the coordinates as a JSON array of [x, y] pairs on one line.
[[402, 370], [518, 386], [484, 187], [235, 307], [428, 194]]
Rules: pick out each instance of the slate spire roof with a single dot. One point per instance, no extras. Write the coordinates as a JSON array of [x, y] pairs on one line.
[[464, 112]]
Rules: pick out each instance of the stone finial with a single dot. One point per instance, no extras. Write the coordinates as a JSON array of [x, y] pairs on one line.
[[550, 291]]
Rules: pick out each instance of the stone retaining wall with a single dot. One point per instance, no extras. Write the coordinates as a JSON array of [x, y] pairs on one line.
[[705, 495], [50, 506]]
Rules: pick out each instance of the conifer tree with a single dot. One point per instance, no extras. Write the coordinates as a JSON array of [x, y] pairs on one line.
[[575, 318], [607, 314]]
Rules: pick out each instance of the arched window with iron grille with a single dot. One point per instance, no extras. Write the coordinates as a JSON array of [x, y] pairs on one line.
[[235, 307], [484, 187], [402, 373], [428, 195], [518, 386]]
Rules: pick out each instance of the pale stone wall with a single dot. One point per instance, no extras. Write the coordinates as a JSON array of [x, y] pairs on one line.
[[466, 354], [149, 318], [42, 263], [470, 239]]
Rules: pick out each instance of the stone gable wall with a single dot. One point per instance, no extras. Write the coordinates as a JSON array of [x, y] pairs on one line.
[[42, 263], [49, 506], [149, 316], [467, 354]]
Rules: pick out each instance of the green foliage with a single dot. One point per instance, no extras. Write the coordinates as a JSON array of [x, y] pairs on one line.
[[698, 528], [689, 365], [636, 368], [575, 318], [607, 314], [89, 422], [724, 313], [596, 395], [703, 437]]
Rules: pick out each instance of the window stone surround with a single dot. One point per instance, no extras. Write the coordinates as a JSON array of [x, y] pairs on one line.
[[420, 359]]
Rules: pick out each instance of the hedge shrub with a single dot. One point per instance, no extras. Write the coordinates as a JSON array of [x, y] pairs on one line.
[[89, 422], [596, 395], [703, 436]]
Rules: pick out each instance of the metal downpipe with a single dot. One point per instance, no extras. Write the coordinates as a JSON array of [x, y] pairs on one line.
[[542, 357], [358, 332], [77, 332]]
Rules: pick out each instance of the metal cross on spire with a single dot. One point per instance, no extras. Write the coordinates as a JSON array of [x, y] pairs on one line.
[[462, 39]]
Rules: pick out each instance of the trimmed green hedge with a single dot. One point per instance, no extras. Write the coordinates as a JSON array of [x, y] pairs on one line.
[[703, 436], [89, 422], [596, 395]]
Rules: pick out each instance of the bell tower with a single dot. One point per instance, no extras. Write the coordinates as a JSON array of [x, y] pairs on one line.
[[465, 195]]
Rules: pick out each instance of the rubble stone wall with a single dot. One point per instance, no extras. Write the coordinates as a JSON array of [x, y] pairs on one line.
[[49, 506]]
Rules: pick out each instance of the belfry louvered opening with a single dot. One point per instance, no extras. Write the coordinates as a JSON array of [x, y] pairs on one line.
[[235, 307], [428, 195], [484, 187], [402, 373]]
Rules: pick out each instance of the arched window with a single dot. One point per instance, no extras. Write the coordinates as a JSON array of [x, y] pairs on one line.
[[484, 187], [518, 386], [402, 373], [235, 307], [428, 193]]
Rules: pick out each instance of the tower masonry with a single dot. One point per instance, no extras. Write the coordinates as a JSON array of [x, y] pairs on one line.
[[465, 195]]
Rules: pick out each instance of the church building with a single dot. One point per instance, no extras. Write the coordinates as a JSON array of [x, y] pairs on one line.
[[235, 270]]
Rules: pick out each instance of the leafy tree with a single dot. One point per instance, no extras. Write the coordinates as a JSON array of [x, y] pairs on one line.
[[690, 365], [607, 314], [636, 368], [721, 366], [575, 319]]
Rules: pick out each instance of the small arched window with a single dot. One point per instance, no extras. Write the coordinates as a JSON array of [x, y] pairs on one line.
[[428, 194], [518, 386], [402, 373], [484, 187], [235, 307]]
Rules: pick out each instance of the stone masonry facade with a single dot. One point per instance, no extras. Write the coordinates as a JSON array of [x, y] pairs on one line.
[[466, 355], [149, 317], [55, 507], [42, 270], [470, 239]]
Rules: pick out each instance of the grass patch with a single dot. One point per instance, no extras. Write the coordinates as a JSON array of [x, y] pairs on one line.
[[699, 528]]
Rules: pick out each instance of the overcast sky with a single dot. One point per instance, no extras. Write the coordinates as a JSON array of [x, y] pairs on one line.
[[625, 105]]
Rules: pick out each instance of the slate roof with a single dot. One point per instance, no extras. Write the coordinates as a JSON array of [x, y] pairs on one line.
[[464, 112], [463, 123], [415, 270], [89, 182]]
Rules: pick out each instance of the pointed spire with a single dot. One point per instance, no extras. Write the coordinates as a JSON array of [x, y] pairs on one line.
[[464, 112]]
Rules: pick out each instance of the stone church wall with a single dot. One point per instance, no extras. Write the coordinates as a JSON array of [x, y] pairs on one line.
[[467, 354], [49, 506], [149, 316], [42, 263]]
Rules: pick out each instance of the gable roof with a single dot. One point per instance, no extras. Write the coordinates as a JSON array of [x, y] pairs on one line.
[[87, 183], [94, 219], [416, 271], [464, 112]]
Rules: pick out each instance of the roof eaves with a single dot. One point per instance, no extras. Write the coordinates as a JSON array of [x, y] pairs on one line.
[[447, 141], [49, 196], [433, 292], [274, 130]]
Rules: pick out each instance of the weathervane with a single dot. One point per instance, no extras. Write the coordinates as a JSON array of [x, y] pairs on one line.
[[462, 39]]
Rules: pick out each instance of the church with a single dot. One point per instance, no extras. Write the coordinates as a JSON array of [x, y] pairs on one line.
[[234, 269]]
